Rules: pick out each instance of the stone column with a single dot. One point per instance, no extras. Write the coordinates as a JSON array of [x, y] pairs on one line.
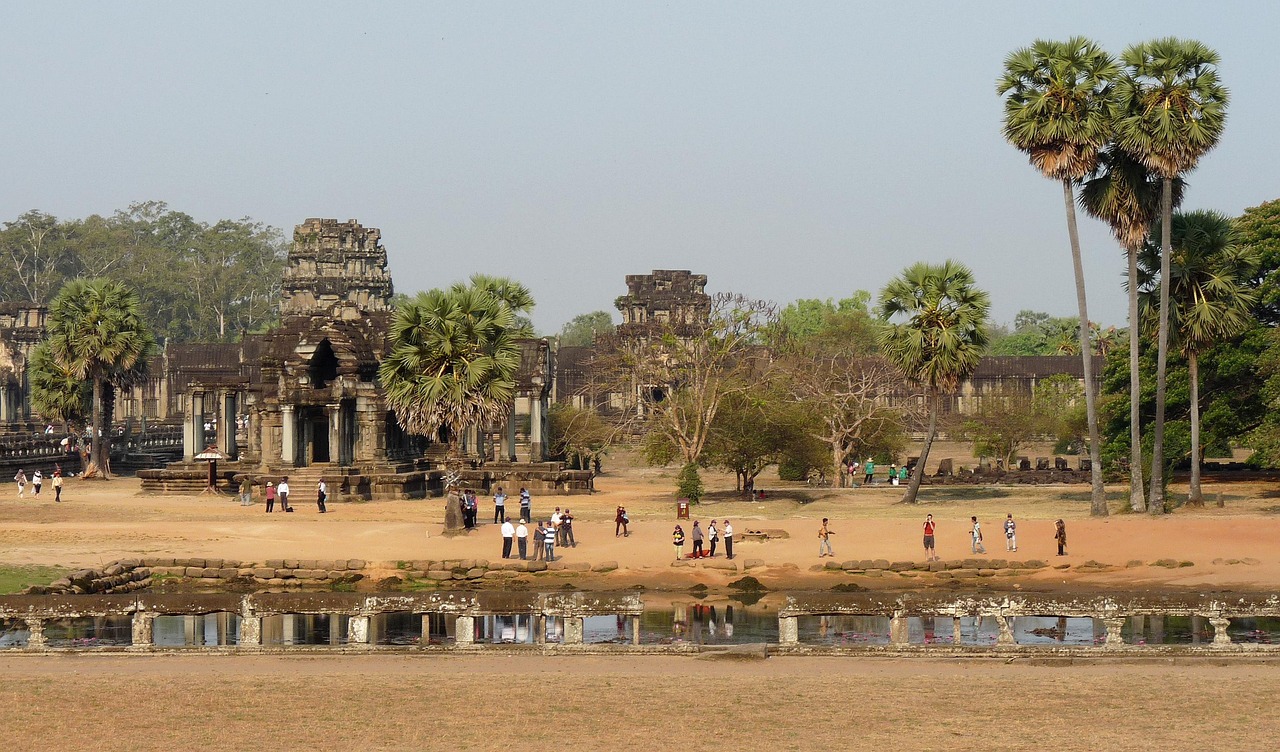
[[35, 641], [957, 633], [464, 630], [189, 450], [1115, 625], [288, 434], [899, 633], [250, 625], [197, 420], [509, 447], [358, 630], [1006, 631], [143, 624], [788, 630], [227, 423], [535, 427], [426, 630], [335, 433], [1220, 624], [635, 630], [573, 628]]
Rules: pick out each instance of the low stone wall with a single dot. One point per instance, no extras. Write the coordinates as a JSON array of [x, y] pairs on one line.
[[313, 573], [124, 576]]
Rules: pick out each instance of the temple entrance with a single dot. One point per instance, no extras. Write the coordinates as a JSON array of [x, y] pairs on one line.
[[313, 430]]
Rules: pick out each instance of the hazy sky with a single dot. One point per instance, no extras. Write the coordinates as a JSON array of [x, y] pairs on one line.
[[785, 149]]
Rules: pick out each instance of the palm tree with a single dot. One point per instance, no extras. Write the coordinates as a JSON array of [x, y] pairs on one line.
[[96, 334], [1058, 108], [452, 362], [1171, 111], [56, 393], [515, 295], [941, 339], [1122, 192], [1209, 294]]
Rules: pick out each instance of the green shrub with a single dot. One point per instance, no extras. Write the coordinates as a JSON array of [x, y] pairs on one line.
[[689, 484]]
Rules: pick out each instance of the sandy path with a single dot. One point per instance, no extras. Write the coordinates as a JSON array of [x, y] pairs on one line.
[[501, 702]]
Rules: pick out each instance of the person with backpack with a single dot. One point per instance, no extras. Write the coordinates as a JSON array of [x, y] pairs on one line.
[[620, 522], [1010, 534], [21, 480], [976, 538]]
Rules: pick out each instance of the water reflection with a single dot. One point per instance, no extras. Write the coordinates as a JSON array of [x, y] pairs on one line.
[[89, 632], [13, 633], [216, 629]]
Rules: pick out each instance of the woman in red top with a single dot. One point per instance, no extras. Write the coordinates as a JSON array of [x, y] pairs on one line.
[[929, 553], [271, 496]]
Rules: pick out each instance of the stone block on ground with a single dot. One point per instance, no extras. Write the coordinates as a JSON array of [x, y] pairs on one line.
[[832, 565], [605, 566], [987, 572], [537, 566], [752, 563], [902, 566], [964, 572], [879, 564], [726, 566], [355, 563]]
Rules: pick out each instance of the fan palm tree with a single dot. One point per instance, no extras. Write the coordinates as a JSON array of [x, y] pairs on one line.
[[940, 335], [1125, 194], [56, 393], [1058, 108], [515, 295], [1171, 110], [1210, 298], [96, 334], [452, 362]]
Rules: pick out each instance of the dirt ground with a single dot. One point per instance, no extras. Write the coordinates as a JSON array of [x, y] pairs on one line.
[[503, 702], [1233, 547]]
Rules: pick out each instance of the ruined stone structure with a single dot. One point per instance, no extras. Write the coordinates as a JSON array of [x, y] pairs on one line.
[[666, 299], [22, 326]]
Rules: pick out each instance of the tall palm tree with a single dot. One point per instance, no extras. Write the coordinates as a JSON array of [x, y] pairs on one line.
[[1210, 298], [1125, 194], [515, 295], [1058, 108], [1171, 110], [452, 362], [939, 337], [56, 393], [97, 335]]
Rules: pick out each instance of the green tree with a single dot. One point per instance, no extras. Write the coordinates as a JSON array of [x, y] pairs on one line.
[[936, 336], [515, 295], [1171, 111], [1058, 110], [689, 484], [1209, 296], [57, 394], [578, 435], [452, 362], [582, 330], [96, 334], [1259, 229], [34, 247], [813, 325]]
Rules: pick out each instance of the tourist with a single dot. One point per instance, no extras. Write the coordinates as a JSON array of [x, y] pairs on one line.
[[499, 506], [930, 552], [976, 538], [868, 467], [57, 484], [1010, 534], [271, 496], [21, 479], [37, 478], [555, 525], [728, 540], [620, 522], [282, 491], [322, 495], [539, 535], [677, 538], [824, 540], [1060, 535], [903, 474], [566, 524], [526, 504], [853, 472], [549, 538], [522, 540], [697, 540], [893, 473], [713, 533], [246, 491], [508, 532]]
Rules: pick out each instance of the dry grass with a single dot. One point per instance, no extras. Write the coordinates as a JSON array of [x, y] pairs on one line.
[[498, 702]]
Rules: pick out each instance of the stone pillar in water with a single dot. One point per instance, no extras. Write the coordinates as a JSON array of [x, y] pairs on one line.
[[957, 634], [250, 625], [143, 628], [36, 639], [464, 630], [358, 630], [899, 633], [1006, 631], [1115, 625], [788, 630], [635, 630], [1220, 624], [573, 630]]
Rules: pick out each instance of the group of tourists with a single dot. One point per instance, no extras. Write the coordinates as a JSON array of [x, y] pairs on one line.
[[36, 481], [550, 533], [700, 537], [280, 492], [897, 475], [976, 543]]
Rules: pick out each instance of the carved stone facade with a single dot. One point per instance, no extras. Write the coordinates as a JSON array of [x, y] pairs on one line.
[[22, 326], [666, 298]]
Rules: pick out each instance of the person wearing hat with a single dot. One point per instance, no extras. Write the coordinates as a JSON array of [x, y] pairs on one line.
[[271, 497], [677, 538]]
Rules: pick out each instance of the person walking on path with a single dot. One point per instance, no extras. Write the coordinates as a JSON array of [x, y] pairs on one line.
[[246, 492], [566, 525], [930, 552], [526, 505], [282, 491], [1010, 534], [57, 485], [728, 540], [522, 540], [824, 540], [1060, 535], [499, 506], [21, 480], [976, 535], [508, 532], [677, 538], [696, 533], [539, 535], [271, 496], [713, 533], [322, 495], [37, 478], [549, 540], [620, 522], [869, 467]]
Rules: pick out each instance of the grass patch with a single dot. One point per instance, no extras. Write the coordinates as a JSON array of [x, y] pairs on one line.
[[14, 578], [1121, 496], [960, 493]]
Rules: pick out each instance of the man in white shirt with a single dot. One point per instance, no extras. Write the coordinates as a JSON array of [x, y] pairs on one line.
[[508, 531], [282, 492], [500, 506], [977, 546], [555, 524], [727, 532], [522, 540]]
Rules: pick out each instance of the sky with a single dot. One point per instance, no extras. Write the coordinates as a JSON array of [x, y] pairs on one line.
[[786, 150]]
